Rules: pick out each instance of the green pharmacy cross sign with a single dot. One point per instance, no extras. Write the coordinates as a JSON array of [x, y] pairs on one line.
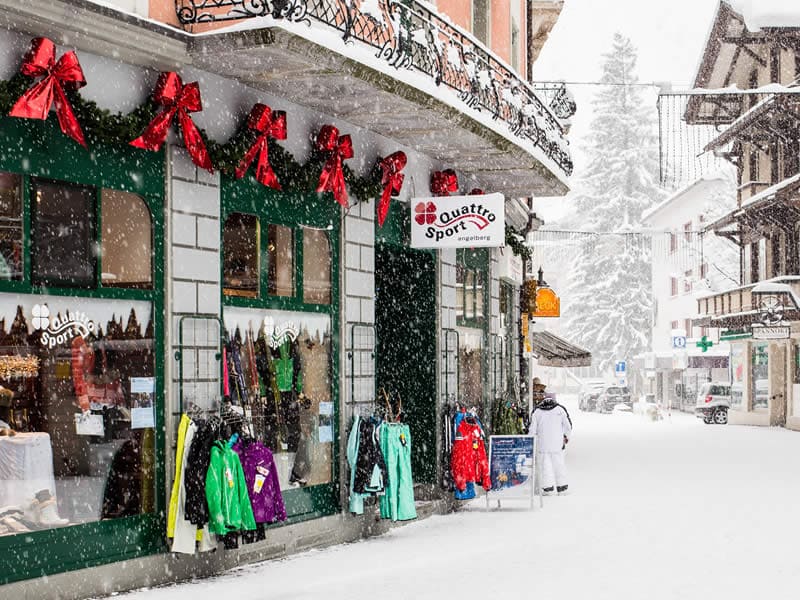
[[705, 344]]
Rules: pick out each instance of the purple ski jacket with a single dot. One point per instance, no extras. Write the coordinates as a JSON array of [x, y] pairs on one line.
[[262, 481]]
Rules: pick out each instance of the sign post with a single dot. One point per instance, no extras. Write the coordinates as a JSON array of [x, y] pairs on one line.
[[512, 468]]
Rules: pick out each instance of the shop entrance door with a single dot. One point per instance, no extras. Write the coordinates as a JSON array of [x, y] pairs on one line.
[[405, 323]]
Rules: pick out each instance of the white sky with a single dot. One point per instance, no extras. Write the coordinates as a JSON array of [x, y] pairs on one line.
[[669, 37]]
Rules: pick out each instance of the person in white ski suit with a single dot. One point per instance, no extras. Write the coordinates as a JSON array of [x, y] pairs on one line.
[[551, 425]]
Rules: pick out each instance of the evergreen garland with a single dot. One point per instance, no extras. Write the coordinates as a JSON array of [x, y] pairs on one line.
[[517, 246], [104, 127]]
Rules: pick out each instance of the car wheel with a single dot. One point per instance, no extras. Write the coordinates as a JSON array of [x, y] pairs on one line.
[[721, 416]]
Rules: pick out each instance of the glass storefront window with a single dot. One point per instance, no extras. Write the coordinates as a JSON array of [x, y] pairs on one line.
[[470, 368], [760, 382], [285, 388], [11, 250], [63, 247], [240, 251], [280, 279], [127, 243], [316, 267], [77, 388], [738, 366]]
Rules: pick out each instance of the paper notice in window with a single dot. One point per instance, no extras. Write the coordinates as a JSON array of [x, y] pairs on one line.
[[326, 408], [89, 424], [142, 418], [325, 434]]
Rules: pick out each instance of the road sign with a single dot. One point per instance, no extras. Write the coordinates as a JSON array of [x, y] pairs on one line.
[[619, 368], [679, 341]]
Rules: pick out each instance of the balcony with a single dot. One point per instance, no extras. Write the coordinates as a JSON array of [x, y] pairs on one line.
[[400, 69], [741, 307]]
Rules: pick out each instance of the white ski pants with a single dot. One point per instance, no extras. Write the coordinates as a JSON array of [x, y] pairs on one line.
[[553, 469]]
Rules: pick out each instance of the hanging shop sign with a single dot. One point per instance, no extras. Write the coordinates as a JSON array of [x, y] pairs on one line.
[[458, 222], [511, 467], [548, 304], [735, 334], [764, 332]]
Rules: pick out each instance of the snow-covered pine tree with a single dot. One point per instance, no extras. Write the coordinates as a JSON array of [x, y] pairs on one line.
[[608, 301]]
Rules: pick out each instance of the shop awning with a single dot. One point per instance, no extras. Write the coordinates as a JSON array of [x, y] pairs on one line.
[[552, 351]]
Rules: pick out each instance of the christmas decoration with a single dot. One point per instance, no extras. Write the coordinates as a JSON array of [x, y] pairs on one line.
[[392, 180], [35, 103], [101, 126], [181, 99], [13, 366], [444, 182], [515, 241], [268, 124], [337, 149], [476, 192]]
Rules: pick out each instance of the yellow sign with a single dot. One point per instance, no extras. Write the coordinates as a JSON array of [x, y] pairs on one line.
[[524, 318], [548, 304]]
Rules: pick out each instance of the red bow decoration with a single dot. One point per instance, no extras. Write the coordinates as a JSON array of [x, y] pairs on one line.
[[35, 103], [268, 124], [392, 180], [181, 99], [444, 182], [332, 177]]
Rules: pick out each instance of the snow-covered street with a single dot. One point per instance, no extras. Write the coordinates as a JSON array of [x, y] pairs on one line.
[[657, 510]]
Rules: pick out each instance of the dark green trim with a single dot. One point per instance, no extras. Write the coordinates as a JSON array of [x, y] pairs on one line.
[[294, 209], [34, 149]]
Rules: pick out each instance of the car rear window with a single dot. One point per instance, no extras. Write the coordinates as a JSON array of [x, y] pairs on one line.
[[719, 390], [617, 390]]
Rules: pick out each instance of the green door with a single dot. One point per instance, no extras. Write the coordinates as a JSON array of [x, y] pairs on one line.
[[405, 315]]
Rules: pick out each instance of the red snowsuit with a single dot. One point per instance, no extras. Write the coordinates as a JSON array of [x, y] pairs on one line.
[[468, 460]]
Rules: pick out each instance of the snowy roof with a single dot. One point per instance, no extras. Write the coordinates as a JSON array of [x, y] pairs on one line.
[[707, 178], [757, 199], [759, 14]]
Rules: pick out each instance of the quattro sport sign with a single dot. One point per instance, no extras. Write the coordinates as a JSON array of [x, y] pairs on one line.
[[458, 222]]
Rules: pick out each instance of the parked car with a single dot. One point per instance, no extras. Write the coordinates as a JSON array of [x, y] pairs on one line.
[[713, 402], [589, 395], [612, 396]]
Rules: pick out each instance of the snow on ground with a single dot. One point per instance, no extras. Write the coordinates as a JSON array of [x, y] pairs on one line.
[[673, 509]]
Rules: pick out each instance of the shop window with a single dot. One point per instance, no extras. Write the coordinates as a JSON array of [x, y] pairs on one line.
[[77, 385], [316, 267], [127, 241], [240, 255], [281, 268], [285, 359], [760, 382], [63, 248], [11, 249], [738, 366]]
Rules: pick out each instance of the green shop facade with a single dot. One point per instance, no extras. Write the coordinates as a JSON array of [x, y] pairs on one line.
[[125, 273]]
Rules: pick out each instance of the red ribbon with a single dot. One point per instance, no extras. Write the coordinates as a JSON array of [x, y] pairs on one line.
[[392, 180], [332, 177], [444, 182], [181, 99], [269, 124], [35, 103]]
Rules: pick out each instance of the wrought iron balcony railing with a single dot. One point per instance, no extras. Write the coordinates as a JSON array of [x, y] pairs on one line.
[[410, 35]]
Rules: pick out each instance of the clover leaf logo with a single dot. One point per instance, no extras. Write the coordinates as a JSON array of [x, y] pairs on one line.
[[41, 317], [426, 213]]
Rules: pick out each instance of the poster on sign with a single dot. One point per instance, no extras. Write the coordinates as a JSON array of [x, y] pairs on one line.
[[476, 221], [512, 468]]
